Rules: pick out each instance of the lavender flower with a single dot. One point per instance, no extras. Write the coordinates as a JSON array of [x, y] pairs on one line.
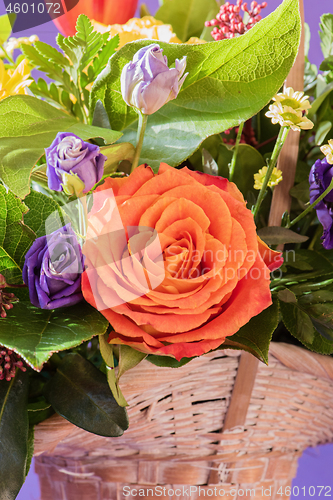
[[52, 270], [147, 83], [72, 164], [320, 178]]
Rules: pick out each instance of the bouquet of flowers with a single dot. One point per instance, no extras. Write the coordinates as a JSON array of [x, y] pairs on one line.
[[135, 198]]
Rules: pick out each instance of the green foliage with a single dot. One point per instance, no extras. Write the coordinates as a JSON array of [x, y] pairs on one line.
[[14, 241], [14, 427], [36, 334], [40, 208], [83, 57], [80, 393], [276, 235], [27, 126], [6, 23], [225, 72], [255, 336], [186, 17], [326, 34]]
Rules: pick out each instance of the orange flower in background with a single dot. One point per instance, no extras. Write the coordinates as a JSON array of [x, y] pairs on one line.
[[138, 29], [103, 11], [216, 270]]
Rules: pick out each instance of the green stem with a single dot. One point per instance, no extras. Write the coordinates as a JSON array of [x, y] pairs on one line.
[[310, 207], [8, 57], [139, 141], [234, 155], [276, 151]]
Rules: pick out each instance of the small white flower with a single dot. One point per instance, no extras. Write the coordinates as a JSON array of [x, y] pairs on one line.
[[287, 116], [296, 100]]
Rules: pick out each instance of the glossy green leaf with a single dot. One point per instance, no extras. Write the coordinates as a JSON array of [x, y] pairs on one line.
[[80, 393], [275, 235], [39, 411], [36, 333], [27, 126], [167, 361], [256, 335], [14, 241], [186, 17], [14, 427], [115, 154], [297, 322], [30, 447], [238, 77], [128, 358]]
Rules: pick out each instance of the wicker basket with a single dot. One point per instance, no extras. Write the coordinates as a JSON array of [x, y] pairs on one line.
[[186, 429]]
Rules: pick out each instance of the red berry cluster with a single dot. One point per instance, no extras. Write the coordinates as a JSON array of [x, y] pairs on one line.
[[228, 22], [6, 298], [9, 360], [248, 135]]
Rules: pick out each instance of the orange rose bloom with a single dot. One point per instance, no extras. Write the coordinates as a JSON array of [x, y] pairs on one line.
[[216, 270]]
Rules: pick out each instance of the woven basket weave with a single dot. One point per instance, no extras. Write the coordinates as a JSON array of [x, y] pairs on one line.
[[176, 437]]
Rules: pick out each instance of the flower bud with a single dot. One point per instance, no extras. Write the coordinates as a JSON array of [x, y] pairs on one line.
[[147, 83]]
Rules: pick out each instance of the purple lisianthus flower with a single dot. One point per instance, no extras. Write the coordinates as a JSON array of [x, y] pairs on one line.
[[320, 178], [68, 154], [52, 269], [147, 83]]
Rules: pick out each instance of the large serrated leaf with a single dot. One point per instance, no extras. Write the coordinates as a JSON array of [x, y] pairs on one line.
[[14, 240], [14, 427], [237, 77], [40, 208], [80, 393], [36, 334], [27, 126]]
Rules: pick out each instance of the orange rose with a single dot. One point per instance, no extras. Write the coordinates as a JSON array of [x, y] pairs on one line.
[[215, 269]]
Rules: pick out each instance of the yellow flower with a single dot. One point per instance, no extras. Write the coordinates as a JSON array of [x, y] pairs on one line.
[[276, 177], [138, 29], [287, 116], [14, 81], [327, 149], [296, 100]]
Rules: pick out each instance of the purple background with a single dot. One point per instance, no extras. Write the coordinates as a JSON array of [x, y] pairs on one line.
[[316, 465]]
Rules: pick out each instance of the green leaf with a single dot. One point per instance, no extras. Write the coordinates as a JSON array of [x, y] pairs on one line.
[[301, 191], [30, 446], [39, 411], [326, 34], [298, 323], [107, 352], [287, 296], [186, 17], [14, 427], [40, 208], [100, 118], [36, 334], [322, 131], [115, 154], [27, 126], [80, 393], [237, 77], [6, 23], [167, 361], [249, 161], [128, 358], [100, 61], [256, 335], [14, 241], [319, 101], [275, 235], [327, 64]]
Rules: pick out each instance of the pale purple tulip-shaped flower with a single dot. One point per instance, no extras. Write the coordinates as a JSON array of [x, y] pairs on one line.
[[147, 83]]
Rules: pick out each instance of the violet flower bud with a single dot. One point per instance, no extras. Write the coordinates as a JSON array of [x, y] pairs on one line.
[[73, 165], [147, 83]]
